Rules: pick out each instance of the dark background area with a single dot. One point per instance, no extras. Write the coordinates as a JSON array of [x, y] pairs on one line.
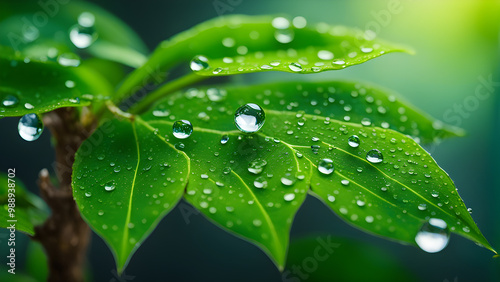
[[456, 43]]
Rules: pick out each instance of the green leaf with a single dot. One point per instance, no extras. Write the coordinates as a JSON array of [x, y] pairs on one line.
[[29, 209], [36, 261], [125, 179], [38, 87], [22, 31], [292, 136], [245, 44], [318, 258]]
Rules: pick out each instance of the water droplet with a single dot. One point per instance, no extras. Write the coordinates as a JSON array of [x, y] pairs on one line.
[[256, 166], [374, 156], [469, 210], [280, 23], [433, 236], [10, 101], [28, 106], [325, 166], [216, 95], [68, 60], [182, 129], [296, 67], [366, 122], [260, 182], [69, 83], [360, 203], [257, 222], [226, 170], [353, 141], [30, 127], [224, 139], [82, 36], [288, 180], [88, 194], [289, 197], [199, 63], [110, 186], [422, 207], [249, 118], [344, 182], [325, 55]]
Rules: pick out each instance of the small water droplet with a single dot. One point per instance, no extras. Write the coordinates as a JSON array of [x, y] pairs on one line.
[[260, 182], [10, 101], [30, 127], [110, 186], [68, 60], [325, 166], [360, 203], [289, 197], [257, 222], [224, 139], [216, 95], [249, 118], [296, 67], [256, 166], [422, 207], [433, 236], [182, 129], [325, 55], [288, 179], [199, 63], [88, 194], [353, 141], [374, 156]]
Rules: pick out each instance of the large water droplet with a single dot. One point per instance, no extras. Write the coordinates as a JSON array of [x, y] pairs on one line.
[[325, 166], [10, 101], [182, 129], [353, 141], [30, 127], [249, 118], [374, 156], [256, 166], [82, 36], [110, 186], [433, 236], [199, 63], [296, 67]]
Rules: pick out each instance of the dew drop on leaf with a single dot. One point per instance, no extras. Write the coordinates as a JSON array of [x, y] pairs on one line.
[[433, 236], [182, 129], [289, 197], [260, 182], [30, 127], [224, 139], [10, 101], [249, 118], [256, 166], [110, 186], [216, 95], [296, 67], [353, 141], [199, 63], [325, 166], [374, 156]]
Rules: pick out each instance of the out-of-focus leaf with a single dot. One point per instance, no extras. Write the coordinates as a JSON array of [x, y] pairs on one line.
[[331, 258], [28, 86], [29, 209]]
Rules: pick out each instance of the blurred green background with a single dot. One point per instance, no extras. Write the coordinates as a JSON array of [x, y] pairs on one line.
[[454, 76]]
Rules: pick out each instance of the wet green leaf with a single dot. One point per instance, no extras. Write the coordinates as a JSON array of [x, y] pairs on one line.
[[245, 44], [125, 179], [29, 86], [392, 194], [29, 209], [21, 30]]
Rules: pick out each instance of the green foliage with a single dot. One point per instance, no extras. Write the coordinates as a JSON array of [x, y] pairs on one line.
[[30, 210], [51, 85], [318, 137]]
